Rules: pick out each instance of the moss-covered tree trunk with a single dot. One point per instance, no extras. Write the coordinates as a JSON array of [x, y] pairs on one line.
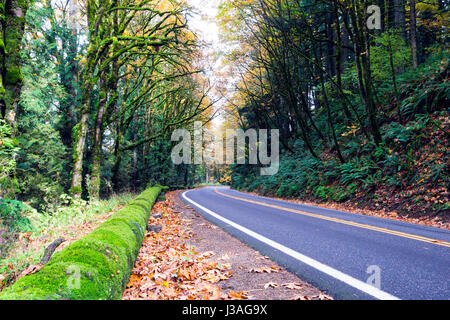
[[80, 131], [107, 100], [412, 22], [94, 183], [102, 109], [12, 23], [79, 134]]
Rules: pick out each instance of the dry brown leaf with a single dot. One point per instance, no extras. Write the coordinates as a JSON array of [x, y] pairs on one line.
[[264, 270], [207, 254], [293, 286], [270, 285], [31, 269], [224, 257], [323, 296], [301, 298], [238, 295]]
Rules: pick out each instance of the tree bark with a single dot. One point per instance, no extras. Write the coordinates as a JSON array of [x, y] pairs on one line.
[[81, 129], [12, 24], [412, 26], [80, 133], [50, 249], [94, 184], [362, 62], [399, 15]]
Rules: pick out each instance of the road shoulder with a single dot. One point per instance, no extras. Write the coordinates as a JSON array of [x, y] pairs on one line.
[[186, 257], [253, 273]]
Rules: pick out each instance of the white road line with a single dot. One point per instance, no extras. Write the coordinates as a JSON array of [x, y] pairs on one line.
[[358, 284]]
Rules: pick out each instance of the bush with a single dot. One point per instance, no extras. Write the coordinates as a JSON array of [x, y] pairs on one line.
[[40, 167], [12, 222], [96, 267], [12, 215], [8, 151]]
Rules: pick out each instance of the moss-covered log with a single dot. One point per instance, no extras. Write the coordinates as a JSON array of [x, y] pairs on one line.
[[96, 267]]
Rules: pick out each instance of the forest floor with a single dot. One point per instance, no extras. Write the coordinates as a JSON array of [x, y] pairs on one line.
[[190, 258]]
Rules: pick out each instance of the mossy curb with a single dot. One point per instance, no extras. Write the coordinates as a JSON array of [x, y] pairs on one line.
[[95, 267]]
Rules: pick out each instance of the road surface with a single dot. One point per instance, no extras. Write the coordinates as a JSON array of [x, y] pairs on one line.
[[347, 255]]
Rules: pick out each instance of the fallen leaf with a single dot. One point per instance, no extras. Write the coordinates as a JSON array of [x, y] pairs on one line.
[[264, 270], [323, 296], [270, 285], [293, 286], [207, 254], [237, 295], [224, 257], [301, 298], [31, 269]]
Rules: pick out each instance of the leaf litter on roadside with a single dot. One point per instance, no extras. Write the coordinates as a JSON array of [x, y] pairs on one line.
[[292, 286], [272, 269], [271, 285], [167, 269]]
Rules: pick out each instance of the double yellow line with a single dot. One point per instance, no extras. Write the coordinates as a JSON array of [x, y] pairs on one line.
[[350, 223]]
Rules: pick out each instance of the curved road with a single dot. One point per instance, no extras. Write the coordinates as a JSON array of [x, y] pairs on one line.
[[347, 255]]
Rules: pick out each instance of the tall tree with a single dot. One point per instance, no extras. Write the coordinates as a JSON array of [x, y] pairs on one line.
[[412, 31], [140, 26], [12, 23]]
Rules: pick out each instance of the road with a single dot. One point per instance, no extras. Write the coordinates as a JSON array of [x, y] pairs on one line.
[[349, 256]]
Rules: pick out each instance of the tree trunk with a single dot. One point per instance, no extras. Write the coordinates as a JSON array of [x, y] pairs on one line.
[[339, 58], [393, 73], [81, 129], [12, 24], [331, 51], [399, 15], [362, 62], [94, 185], [118, 160], [412, 26], [80, 133]]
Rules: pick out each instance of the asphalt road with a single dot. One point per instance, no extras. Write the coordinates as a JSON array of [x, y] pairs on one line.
[[347, 255]]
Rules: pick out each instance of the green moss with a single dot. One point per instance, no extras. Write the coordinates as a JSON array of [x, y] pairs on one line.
[[56, 282], [102, 95], [13, 76], [100, 263], [75, 190]]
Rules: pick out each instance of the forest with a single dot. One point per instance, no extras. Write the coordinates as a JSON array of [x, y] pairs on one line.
[[92, 90], [87, 109], [360, 96]]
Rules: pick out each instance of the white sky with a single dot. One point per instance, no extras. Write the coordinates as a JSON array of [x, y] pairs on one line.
[[204, 20], [203, 23]]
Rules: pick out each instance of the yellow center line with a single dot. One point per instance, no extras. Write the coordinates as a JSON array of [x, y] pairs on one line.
[[350, 223]]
